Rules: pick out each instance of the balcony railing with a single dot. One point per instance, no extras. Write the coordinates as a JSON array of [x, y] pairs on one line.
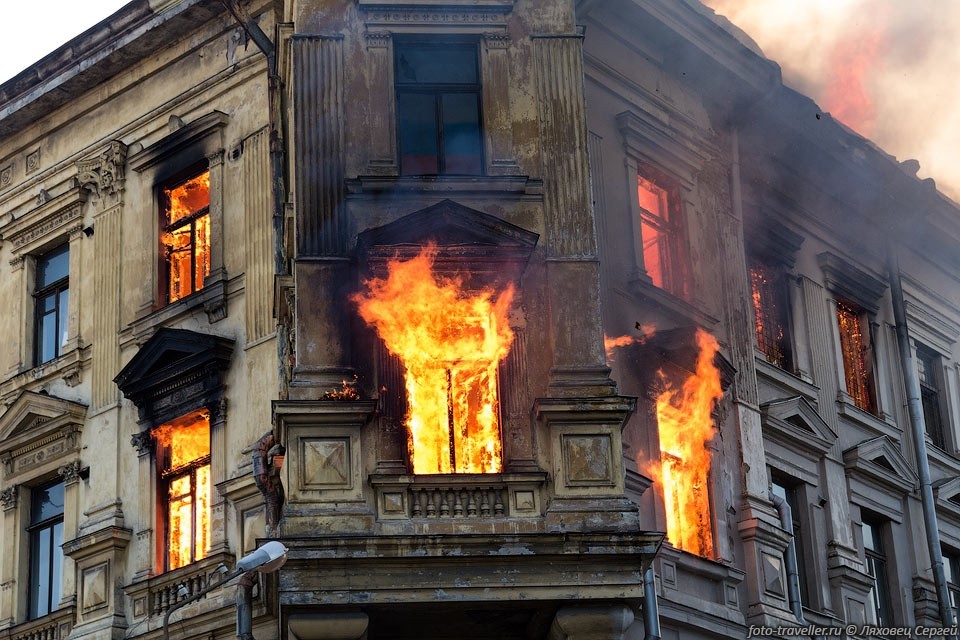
[[54, 626], [154, 596]]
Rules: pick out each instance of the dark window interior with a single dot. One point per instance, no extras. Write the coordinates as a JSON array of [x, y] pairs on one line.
[[52, 298], [46, 556]]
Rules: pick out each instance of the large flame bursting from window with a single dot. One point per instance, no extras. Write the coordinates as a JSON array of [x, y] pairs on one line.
[[184, 450], [450, 342], [686, 427], [186, 235]]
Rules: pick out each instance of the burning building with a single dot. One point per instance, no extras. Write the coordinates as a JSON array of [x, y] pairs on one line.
[[510, 319]]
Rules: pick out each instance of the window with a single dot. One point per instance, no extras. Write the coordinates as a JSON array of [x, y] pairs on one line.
[[46, 556], [855, 349], [928, 367], [768, 287], [183, 456], [876, 564], [438, 107], [185, 235], [52, 296], [789, 493], [661, 234], [951, 569]]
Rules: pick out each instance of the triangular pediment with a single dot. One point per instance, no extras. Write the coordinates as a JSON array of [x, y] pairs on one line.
[[448, 223], [879, 459], [797, 422], [172, 360], [946, 494], [35, 416]]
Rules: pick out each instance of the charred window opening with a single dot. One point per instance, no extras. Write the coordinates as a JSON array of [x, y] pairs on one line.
[[661, 232], [51, 299], [855, 350], [185, 234], [768, 287], [183, 458], [438, 107], [449, 341], [686, 427], [928, 365]]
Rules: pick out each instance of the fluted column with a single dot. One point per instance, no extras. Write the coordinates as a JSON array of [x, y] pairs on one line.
[[572, 266], [258, 234], [106, 308]]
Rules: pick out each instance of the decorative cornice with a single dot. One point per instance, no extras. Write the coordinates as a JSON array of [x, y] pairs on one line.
[[44, 227], [103, 175], [378, 39], [496, 39], [849, 282]]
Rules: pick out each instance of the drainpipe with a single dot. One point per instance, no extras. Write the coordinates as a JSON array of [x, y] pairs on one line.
[[245, 605], [651, 611], [793, 575], [912, 385], [275, 117]]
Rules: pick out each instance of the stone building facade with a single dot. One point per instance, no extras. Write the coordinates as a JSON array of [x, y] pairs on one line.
[[196, 199]]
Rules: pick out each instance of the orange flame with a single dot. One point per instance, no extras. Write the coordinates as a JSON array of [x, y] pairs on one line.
[[686, 427], [186, 241], [185, 448], [450, 342], [610, 345], [846, 95]]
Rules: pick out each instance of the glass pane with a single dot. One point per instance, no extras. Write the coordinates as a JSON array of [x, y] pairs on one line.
[[461, 133], [187, 197], [203, 512], [47, 338], [417, 121], [40, 573], [653, 199], [779, 490], [62, 318], [53, 266], [870, 540], [55, 586], [178, 247], [655, 254], [48, 303], [46, 502], [425, 64], [201, 249], [180, 530]]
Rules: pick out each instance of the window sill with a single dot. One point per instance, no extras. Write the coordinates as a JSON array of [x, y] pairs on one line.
[[515, 186], [212, 298], [56, 625], [876, 425], [680, 310], [67, 366], [789, 382]]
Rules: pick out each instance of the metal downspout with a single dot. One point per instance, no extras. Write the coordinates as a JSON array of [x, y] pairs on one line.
[[793, 574], [245, 605], [912, 385], [651, 610]]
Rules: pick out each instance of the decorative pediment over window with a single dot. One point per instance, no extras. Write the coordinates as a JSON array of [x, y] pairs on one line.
[[37, 429], [880, 460], [469, 242], [175, 371], [946, 494], [852, 283], [794, 421]]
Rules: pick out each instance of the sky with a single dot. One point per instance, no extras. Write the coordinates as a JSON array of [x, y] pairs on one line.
[[885, 68]]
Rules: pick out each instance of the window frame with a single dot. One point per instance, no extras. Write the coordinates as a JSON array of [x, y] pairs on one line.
[[931, 395], [438, 90], [54, 577], [783, 357], [875, 558], [793, 495], [866, 355], [56, 289], [179, 179], [675, 267]]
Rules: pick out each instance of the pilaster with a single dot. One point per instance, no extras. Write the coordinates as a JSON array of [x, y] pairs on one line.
[[258, 233]]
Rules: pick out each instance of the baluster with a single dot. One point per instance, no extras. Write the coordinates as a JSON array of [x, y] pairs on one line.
[[431, 507], [471, 503], [485, 503], [417, 507], [498, 505], [458, 503], [444, 503]]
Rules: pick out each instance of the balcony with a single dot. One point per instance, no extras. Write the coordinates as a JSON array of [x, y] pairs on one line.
[[54, 626]]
